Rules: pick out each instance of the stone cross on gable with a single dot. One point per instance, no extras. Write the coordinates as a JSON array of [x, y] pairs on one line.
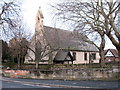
[[39, 7]]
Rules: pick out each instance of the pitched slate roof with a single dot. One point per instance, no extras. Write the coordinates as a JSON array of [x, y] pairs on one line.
[[65, 39]]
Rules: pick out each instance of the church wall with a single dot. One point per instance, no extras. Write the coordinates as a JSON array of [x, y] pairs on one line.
[[80, 58]]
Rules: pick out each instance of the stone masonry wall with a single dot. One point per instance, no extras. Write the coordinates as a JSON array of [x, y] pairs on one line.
[[66, 74]]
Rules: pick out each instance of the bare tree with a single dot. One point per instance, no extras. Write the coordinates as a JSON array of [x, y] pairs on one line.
[[18, 45], [42, 49], [5, 51], [18, 49], [89, 17], [9, 12]]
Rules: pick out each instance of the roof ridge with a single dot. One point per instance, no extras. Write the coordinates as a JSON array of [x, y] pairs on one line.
[[57, 28]]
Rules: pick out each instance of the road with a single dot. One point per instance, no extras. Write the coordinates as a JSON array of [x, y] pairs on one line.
[[6, 84], [33, 83]]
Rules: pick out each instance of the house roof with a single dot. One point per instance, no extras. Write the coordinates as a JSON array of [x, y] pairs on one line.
[[62, 55], [113, 51], [65, 39]]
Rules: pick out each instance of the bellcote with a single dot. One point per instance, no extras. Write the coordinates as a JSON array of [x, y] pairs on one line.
[[39, 21], [39, 16]]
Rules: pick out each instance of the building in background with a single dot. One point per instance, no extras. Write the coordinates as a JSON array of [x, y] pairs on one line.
[[111, 56]]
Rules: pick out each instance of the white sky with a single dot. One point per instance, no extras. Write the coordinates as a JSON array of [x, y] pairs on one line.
[[30, 8]]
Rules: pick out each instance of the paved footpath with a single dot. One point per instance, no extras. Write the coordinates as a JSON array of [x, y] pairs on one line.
[[34, 83]]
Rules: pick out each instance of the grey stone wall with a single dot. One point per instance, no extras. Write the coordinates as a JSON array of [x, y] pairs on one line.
[[66, 74], [76, 74]]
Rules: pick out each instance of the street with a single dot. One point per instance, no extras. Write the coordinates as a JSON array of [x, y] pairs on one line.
[[6, 84], [34, 83]]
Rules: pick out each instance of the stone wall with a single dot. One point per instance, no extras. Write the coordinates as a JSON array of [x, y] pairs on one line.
[[68, 74]]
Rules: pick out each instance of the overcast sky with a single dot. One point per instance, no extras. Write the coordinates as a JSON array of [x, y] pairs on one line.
[[30, 8]]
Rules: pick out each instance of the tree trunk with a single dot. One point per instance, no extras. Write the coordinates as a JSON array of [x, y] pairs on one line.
[[118, 48], [36, 65], [50, 58], [18, 61], [102, 58], [22, 61], [114, 42], [101, 51], [118, 54], [37, 62], [37, 59]]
